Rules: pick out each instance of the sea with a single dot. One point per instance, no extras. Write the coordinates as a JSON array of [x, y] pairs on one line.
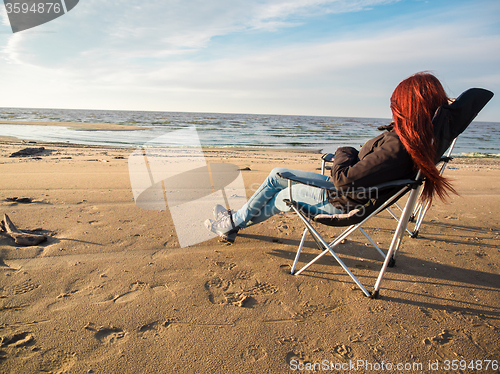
[[219, 130]]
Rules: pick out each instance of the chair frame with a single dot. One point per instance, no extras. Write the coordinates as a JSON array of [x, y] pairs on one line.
[[408, 214], [407, 185]]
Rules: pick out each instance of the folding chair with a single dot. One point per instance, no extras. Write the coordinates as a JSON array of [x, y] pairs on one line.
[[449, 121]]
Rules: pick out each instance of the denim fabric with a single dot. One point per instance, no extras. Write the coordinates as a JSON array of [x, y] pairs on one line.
[[268, 199]]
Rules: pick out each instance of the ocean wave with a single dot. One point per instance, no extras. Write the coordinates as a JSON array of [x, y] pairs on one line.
[[481, 139]]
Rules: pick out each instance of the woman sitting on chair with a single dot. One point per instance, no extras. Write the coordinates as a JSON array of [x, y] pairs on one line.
[[408, 145]]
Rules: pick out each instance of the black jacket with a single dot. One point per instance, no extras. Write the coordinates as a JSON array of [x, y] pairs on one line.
[[384, 158], [381, 159]]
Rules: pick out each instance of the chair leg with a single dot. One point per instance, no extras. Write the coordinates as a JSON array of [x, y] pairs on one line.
[[328, 248], [371, 241], [420, 219], [298, 251], [411, 233], [396, 240]]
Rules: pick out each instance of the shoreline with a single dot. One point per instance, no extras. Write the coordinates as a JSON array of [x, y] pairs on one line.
[[8, 140], [11, 141], [78, 125]]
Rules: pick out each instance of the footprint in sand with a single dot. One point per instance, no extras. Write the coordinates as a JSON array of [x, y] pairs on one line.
[[148, 326], [219, 292], [297, 357], [343, 351], [136, 289], [17, 340], [441, 345], [262, 289], [109, 334], [243, 274], [314, 311], [225, 265], [57, 361], [434, 315], [253, 353], [126, 297], [169, 321], [440, 339], [226, 292], [23, 287]]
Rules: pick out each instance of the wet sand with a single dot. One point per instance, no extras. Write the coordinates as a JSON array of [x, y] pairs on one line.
[[76, 125]]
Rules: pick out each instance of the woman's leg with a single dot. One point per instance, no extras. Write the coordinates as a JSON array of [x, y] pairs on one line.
[[268, 199]]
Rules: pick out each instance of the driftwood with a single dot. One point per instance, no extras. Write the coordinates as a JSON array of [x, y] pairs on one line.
[[23, 200], [28, 152], [20, 237]]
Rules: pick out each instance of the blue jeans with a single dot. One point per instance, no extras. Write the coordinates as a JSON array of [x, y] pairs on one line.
[[268, 199]]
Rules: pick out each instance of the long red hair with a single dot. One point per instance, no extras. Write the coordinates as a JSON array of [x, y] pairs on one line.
[[413, 104]]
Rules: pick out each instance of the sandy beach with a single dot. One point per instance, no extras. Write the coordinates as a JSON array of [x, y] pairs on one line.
[[111, 291]]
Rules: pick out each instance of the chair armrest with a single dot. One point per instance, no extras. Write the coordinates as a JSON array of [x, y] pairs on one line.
[[309, 182], [328, 157], [397, 183], [373, 191]]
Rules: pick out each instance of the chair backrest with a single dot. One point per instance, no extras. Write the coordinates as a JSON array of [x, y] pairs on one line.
[[451, 120]]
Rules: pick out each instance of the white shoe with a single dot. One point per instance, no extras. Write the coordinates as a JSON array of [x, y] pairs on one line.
[[223, 225]]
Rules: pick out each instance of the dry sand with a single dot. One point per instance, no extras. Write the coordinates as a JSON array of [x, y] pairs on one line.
[[112, 292]]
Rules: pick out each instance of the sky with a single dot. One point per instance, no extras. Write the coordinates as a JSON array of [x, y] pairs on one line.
[[297, 57]]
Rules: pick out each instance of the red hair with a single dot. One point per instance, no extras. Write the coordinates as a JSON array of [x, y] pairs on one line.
[[413, 104]]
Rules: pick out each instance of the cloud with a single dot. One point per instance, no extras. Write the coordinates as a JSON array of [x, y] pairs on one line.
[[344, 77], [436, 46], [161, 28], [4, 16], [215, 56], [12, 52]]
